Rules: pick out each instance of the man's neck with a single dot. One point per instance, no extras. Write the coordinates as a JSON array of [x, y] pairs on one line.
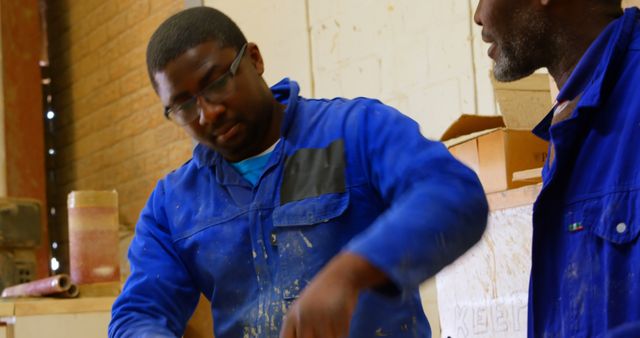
[[270, 137], [571, 43], [273, 134]]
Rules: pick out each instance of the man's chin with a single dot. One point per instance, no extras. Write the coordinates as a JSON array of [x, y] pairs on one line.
[[507, 73]]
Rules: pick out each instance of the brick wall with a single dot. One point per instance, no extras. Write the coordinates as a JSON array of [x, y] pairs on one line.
[[110, 131]]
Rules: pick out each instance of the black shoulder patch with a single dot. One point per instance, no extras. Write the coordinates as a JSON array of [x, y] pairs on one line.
[[311, 172]]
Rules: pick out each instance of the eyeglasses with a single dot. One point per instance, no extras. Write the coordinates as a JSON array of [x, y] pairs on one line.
[[216, 91]]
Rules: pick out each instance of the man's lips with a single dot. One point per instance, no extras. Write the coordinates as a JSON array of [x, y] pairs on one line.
[[486, 37], [223, 129], [226, 132], [492, 50]]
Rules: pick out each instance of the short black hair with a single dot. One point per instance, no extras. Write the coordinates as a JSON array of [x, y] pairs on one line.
[[187, 29]]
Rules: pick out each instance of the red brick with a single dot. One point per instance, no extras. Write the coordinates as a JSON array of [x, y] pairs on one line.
[[97, 38], [134, 60], [110, 131], [133, 81], [138, 12], [157, 5], [117, 25]]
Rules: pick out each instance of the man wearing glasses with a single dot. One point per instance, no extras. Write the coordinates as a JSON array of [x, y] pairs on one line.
[[295, 217]]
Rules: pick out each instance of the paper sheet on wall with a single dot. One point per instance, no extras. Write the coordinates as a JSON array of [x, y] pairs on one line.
[[484, 293]]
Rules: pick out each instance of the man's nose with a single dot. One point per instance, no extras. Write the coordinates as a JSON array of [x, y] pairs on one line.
[[476, 15], [209, 113]]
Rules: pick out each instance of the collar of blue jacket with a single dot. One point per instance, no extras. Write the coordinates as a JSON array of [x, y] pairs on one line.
[[598, 67]]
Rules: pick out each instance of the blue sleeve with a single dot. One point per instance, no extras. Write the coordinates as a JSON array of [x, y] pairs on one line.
[[437, 207], [630, 329], [159, 295]]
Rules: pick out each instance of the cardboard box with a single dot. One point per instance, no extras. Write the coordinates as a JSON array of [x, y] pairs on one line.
[[496, 147]]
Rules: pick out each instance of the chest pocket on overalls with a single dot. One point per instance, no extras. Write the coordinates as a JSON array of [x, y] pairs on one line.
[[617, 218], [307, 234], [600, 268], [313, 196], [616, 253]]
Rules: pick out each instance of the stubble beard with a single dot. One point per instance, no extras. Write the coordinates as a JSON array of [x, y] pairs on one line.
[[523, 52]]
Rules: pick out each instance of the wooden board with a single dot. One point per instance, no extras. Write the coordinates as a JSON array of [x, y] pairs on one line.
[[6, 309], [82, 325], [47, 306]]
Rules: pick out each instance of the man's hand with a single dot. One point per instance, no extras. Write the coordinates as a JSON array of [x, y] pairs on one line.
[[325, 307]]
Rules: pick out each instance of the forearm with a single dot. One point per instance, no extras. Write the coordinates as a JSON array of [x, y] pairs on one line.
[[159, 295], [355, 272], [428, 228], [437, 207]]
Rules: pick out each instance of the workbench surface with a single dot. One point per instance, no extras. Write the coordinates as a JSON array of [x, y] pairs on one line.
[[47, 306]]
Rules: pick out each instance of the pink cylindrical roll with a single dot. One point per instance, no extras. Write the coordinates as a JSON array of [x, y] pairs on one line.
[[40, 287], [72, 292], [93, 236]]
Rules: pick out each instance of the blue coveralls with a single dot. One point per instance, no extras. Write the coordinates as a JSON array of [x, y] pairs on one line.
[[585, 276], [347, 175]]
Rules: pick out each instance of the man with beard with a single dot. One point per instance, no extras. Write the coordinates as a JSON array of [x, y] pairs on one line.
[[585, 280], [331, 212]]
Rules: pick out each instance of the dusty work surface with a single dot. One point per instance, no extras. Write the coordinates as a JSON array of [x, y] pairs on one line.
[[45, 306]]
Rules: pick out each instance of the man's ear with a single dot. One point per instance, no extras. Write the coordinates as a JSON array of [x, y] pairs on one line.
[[256, 57]]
